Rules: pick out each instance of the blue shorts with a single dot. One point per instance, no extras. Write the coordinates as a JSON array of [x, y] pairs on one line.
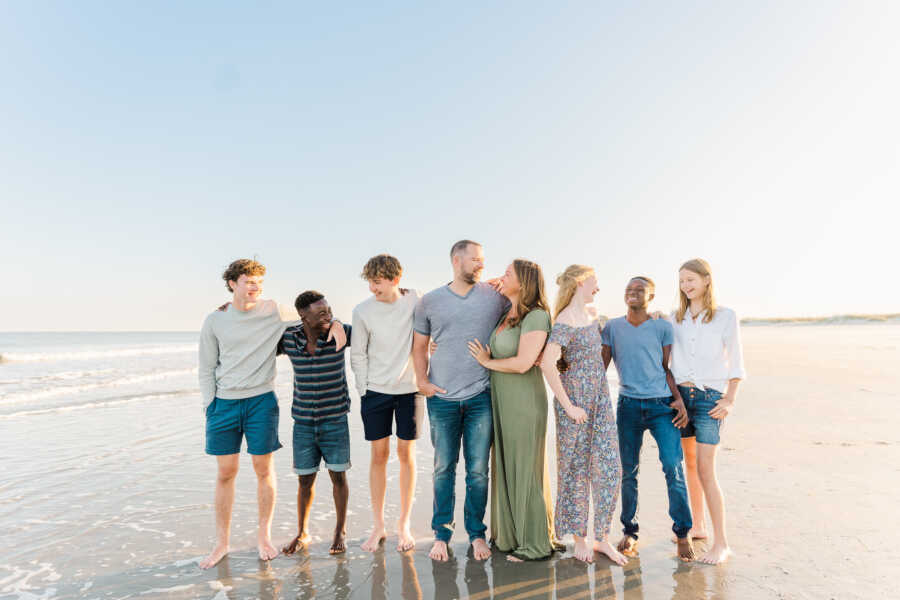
[[379, 411], [323, 440], [698, 404], [228, 421]]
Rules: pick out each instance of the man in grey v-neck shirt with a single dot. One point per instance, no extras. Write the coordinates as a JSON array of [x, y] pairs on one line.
[[458, 391]]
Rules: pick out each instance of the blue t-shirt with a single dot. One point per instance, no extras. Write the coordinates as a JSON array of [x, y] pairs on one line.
[[638, 353]]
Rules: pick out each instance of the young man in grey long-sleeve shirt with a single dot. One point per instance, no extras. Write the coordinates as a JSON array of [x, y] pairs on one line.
[[237, 378]]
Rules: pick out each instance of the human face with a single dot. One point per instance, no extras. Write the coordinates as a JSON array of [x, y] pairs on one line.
[[693, 285], [637, 295], [511, 284], [470, 264], [317, 315], [247, 288], [587, 289], [384, 290]]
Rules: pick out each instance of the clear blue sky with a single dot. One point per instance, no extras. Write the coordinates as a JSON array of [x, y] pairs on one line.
[[144, 145]]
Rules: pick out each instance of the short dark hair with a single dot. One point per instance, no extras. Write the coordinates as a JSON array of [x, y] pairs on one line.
[[242, 266], [383, 266], [646, 280], [461, 246], [306, 298]]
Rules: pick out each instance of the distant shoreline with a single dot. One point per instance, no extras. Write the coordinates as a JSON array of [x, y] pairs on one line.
[[849, 319], [832, 320]]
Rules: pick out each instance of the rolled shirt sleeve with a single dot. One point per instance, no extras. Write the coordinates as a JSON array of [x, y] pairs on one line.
[[733, 349]]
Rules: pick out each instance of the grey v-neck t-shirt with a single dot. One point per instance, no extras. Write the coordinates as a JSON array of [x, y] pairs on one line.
[[453, 321]]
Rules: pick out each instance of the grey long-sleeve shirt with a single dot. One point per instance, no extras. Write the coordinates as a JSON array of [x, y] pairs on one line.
[[381, 349], [237, 350]]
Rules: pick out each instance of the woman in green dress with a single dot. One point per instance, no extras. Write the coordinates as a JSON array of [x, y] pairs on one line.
[[521, 513]]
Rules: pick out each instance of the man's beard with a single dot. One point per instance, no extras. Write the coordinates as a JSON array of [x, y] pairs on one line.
[[471, 278]]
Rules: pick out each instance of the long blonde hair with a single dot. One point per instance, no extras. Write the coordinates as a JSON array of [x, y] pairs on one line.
[[701, 268], [568, 281]]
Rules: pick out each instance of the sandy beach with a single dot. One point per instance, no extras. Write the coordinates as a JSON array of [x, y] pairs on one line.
[[105, 491]]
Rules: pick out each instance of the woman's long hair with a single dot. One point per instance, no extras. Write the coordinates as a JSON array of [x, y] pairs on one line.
[[701, 268], [531, 292], [568, 282]]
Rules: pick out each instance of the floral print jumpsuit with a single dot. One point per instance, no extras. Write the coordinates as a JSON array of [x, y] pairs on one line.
[[587, 455]]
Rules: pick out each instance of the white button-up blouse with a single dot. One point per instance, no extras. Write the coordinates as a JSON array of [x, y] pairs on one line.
[[707, 354]]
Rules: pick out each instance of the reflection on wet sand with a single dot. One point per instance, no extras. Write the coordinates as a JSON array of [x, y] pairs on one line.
[[409, 588], [413, 576]]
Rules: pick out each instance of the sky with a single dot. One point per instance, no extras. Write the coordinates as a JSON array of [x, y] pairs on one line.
[[144, 146]]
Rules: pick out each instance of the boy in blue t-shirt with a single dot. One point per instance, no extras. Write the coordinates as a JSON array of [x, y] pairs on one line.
[[648, 399]]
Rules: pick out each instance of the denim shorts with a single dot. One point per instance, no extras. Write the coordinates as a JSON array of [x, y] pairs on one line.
[[228, 421], [379, 411], [698, 403], [315, 441]]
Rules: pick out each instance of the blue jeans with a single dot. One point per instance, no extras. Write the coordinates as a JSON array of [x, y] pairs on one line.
[[471, 422], [317, 441], [634, 416]]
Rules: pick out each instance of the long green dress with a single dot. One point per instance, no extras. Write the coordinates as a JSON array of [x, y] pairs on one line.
[[521, 513]]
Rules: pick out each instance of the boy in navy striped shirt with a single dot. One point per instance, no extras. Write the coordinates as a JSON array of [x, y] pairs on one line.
[[320, 407]]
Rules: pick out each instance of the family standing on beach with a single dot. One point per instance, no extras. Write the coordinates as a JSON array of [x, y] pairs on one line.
[[477, 355]]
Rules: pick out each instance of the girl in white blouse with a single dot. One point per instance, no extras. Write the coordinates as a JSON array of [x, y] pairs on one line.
[[708, 366]]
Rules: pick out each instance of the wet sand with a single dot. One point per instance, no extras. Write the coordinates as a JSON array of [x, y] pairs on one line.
[[116, 502]]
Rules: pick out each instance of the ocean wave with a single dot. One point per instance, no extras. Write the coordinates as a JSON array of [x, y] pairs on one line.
[[65, 375], [832, 320], [94, 354], [98, 404], [52, 392]]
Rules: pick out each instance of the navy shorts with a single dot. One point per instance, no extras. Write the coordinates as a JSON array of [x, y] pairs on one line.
[[379, 411], [321, 440], [228, 421], [698, 404]]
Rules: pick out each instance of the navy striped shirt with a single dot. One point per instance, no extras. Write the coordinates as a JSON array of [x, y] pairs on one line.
[[320, 379]]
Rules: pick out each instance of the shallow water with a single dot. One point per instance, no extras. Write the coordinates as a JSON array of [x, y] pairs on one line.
[[105, 491]]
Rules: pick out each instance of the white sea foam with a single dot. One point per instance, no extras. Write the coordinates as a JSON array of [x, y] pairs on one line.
[[96, 404], [64, 390], [19, 580], [95, 354]]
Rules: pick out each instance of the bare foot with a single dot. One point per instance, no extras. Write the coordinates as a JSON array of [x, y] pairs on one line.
[[614, 555], [214, 557], [266, 550], [337, 544], [375, 539], [694, 534], [685, 549], [513, 558], [405, 539], [480, 549], [439, 551], [628, 546], [716, 555], [582, 551], [298, 543]]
